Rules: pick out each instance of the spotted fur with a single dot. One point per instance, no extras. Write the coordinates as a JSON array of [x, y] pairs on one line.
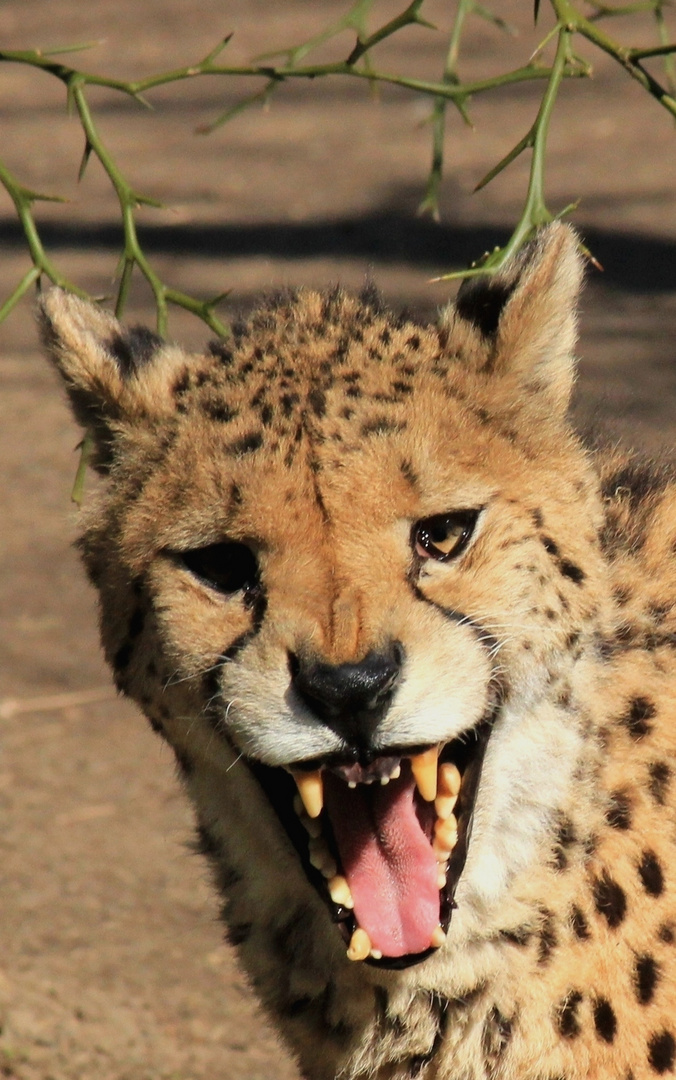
[[316, 437]]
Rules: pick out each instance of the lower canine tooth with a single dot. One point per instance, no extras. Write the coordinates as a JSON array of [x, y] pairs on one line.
[[321, 859], [446, 832], [360, 945], [449, 779], [424, 768], [311, 790], [438, 938], [339, 891], [445, 805]]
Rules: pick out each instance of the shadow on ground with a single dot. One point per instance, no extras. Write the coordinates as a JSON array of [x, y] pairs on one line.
[[632, 262]]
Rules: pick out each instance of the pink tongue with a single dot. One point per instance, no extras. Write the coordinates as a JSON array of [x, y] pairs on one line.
[[388, 861]]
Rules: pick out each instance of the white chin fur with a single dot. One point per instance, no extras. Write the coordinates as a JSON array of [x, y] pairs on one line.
[[527, 775]]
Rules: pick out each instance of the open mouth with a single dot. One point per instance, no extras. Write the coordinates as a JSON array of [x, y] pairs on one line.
[[384, 841]]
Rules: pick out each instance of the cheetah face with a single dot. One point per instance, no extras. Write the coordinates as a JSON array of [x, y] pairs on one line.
[[373, 765], [325, 556]]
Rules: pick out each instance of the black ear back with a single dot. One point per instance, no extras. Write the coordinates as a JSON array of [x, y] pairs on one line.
[[134, 348], [519, 324], [480, 301], [112, 375]]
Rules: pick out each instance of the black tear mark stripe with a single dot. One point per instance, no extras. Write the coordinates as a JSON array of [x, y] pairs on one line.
[[258, 609], [212, 688], [485, 638]]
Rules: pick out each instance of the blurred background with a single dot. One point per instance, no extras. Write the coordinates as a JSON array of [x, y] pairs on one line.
[[111, 960]]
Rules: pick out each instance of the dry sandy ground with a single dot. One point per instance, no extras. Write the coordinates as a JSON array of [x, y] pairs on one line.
[[111, 961]]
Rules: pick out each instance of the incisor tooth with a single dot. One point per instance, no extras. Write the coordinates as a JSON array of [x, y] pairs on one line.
[[449, 779], [424, 768], [396, 772], [445, 805], [442, 870], [360, 945], [339, 891], [438, 938], [376, 954], [311, 790]]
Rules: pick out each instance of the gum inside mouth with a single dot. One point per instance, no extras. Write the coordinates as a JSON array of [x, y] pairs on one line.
[[384, 842]]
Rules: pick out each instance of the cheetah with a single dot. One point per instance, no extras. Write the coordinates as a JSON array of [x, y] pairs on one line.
[[413, 645]]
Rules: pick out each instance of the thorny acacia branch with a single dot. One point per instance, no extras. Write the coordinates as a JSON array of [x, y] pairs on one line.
[[570, 23]]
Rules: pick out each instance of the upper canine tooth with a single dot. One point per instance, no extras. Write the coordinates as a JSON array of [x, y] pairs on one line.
[[424, 767], [449, 779], [311, 790]]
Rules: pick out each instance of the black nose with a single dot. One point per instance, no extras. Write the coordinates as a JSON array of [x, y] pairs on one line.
[[351, 698]]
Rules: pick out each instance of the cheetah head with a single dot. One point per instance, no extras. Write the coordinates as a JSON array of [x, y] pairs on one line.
[[347, 565]]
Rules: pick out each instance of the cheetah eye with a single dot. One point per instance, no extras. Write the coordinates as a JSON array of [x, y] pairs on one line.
[[444, 536], [228, 566]]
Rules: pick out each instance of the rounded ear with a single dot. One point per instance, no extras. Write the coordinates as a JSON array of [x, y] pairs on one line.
[[522, 321], [111, 374]]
